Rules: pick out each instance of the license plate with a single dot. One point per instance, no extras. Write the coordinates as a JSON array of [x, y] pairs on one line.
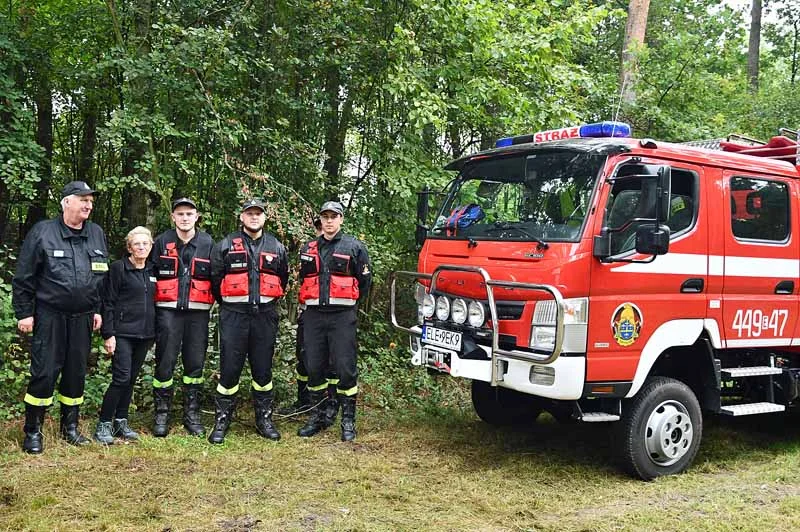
[[441, 337]]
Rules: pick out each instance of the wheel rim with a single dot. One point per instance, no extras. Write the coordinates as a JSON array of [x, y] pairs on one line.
[[668, 433]]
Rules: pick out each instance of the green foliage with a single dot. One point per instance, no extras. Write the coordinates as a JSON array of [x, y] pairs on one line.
[[360, 100]]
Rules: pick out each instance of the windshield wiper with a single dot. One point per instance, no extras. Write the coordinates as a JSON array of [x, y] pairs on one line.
[[505, 226]]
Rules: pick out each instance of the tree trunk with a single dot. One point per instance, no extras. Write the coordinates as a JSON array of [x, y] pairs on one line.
[[44, 138], [336, 133], [754, 47], [635, 30], [88, 140]]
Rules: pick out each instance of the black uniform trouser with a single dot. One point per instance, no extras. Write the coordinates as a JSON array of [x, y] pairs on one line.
[[125, 367], [329, 338], [246, 336], [184, 331], [301, 372], [60, 346]]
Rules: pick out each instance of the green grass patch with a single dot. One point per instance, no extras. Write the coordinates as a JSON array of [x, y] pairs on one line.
[[440, 470]]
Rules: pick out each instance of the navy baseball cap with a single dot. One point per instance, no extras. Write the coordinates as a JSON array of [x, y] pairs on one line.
[[77, 188], [183, 201], [253, 203], [333, 206]]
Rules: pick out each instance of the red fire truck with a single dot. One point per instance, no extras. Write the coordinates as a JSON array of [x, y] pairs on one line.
[[603, 278]]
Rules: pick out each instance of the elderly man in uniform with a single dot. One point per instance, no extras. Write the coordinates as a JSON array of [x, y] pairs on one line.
[[335, 276], [56, 296]]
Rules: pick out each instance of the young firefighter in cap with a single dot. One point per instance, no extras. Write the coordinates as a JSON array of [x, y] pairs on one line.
[[56, 295], [335, 275], [181, 260], [302, 404], [249, 272]]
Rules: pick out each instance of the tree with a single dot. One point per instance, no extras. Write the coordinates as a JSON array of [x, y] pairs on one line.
[[635, 30], [754, 45]]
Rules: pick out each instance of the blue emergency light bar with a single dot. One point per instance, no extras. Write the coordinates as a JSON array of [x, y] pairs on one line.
[[598, 129]]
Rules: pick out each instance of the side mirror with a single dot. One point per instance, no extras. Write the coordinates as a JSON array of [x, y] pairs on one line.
[[602, 245], [652, 239]]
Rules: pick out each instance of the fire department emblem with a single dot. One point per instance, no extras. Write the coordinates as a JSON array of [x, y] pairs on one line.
[[626, 324]]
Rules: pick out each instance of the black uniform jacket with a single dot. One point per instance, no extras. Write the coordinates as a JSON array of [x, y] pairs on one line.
[[60, 269], [267, 243], [341, 244], [199, 246], [128, 306]]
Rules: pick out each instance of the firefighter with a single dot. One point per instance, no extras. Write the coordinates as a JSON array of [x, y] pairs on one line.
[[129, 330], [249, 272], [182, 266], [302, 404], [56, 295], [335, 276]]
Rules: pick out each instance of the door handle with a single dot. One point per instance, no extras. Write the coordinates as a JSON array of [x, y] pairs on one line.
[[692, 286], [784, 288]]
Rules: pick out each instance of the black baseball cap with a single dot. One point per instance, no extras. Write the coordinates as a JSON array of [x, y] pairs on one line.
[[333, 206], [183, 201], [253, 203], [77, 188]]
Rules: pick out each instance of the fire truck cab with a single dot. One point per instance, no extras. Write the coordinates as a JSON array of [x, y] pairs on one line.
[[603, 278]]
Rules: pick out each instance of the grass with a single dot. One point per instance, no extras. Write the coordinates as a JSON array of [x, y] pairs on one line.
[[416, 471]]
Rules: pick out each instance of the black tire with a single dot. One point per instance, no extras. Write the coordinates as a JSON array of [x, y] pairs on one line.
[[667, 407], [503, 407]]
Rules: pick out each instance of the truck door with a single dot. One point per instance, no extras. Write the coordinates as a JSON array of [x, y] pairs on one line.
[[760, 266], [629, 301]]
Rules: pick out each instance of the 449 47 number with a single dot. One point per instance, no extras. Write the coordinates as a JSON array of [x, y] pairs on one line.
[[752, 323]]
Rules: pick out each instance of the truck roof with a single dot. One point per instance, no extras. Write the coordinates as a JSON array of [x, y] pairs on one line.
[[645, 147]]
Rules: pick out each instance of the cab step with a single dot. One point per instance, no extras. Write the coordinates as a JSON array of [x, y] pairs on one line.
[[598, 417], [753, 371], [748, 409]]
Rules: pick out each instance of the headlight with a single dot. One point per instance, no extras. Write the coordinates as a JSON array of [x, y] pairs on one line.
[[543, 330], [543, 338], [442, 308], [459, 311], [476, 314], [428, 304]]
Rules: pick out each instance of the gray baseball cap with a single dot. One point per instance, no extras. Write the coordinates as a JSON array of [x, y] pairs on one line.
[[333, 206]]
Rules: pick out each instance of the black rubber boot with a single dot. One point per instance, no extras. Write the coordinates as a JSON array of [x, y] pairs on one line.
[[262, 404], [316, 422], [33, 443], [191, 410], [162, 401], [348, 417], [69, 426], [226, 405], [301, 405], [331, 406]]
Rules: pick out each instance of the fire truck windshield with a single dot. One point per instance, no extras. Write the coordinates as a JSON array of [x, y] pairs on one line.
[[539, 195]]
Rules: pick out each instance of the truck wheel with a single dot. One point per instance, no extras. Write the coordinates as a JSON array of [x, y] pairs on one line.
[[502, 407], [660, 430]]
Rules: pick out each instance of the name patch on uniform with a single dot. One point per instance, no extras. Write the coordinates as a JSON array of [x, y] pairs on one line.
[[305, 257], [58, 252], [99, 267], [152, 279]]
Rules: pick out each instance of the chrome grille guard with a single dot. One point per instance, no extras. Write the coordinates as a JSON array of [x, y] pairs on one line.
[[490, 284]]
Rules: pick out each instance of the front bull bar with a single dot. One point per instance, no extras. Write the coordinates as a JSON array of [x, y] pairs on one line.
[[489, 283]]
